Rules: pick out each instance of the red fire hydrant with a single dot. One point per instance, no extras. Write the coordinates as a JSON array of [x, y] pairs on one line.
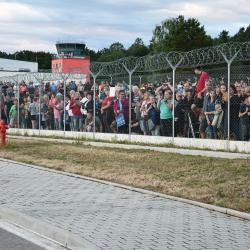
[[3, 127]]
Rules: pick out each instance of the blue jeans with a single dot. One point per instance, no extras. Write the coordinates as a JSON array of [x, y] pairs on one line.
[[24, 122], [77, 122], [211, 130], [57, 124], [144, 127]]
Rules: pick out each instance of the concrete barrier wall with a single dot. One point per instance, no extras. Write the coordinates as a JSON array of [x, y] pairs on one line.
[[238, 146]]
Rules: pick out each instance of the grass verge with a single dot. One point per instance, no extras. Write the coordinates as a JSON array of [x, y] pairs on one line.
[[220, 182], [114, 140]]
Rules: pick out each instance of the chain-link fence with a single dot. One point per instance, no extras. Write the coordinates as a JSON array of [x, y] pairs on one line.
[[154, 95]]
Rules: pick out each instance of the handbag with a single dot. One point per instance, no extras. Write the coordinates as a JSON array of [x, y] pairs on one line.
[[83, 108], [120, 120], [218, 116]]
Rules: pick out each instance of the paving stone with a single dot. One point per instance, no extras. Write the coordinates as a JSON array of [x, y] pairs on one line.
[[115, 218]]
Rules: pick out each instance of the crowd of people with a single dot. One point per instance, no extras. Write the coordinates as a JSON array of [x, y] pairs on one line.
[[199, 109]]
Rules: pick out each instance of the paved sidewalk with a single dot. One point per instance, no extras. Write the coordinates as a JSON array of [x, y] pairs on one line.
[[114, 218]]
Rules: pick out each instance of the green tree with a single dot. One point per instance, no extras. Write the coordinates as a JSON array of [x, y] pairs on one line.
[[138, 48], [243, 35], [44, 59], [114, 52], [179, 34], [93, 55], [5, 55], [222, 38]]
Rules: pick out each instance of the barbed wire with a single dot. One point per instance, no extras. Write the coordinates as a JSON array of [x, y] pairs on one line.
[[198, 57], [151, 63], [39, 77]]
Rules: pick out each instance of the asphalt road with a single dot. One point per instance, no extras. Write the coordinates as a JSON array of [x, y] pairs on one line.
[[9, 241]]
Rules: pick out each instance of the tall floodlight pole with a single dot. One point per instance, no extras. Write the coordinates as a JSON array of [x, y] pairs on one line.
[[94, 76], [174, 67], [229, 62], [130, 73]]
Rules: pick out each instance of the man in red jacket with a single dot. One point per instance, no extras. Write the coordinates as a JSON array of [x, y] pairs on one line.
[[199, 92], [203, 77]]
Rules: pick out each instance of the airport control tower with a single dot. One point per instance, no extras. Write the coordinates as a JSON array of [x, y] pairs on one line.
[[71, 59]]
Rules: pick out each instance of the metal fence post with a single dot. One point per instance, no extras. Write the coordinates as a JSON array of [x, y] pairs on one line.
[[94, 76], [229, 62], [39, 78], [130, 73], [15, 79], [1, 102], [18, 105], [64, 107], [248, 80], [140, 77], [130, 105], [174, 67], [94, 114], [39, 118], [64, 77]]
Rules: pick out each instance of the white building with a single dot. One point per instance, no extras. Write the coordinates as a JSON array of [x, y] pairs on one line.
[[10, 67]]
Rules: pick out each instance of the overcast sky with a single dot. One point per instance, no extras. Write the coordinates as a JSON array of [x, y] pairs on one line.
[[38, 24]]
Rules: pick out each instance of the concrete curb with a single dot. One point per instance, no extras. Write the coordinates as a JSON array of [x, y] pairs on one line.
[[45, 230], [213, 154], [189, 143], [31, 237], [223, 210]]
